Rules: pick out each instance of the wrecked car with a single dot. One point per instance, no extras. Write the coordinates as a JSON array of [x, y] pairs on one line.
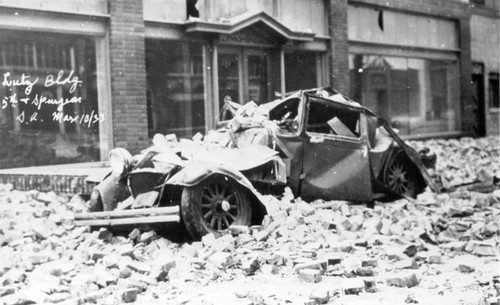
[[317, 142]]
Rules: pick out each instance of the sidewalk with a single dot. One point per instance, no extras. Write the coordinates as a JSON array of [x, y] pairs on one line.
[[62, 178]]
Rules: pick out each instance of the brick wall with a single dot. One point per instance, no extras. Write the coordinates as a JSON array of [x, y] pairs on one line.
[[128, 74], [339, 47]]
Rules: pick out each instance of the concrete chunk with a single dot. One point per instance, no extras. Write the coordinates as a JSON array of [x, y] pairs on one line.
[[139, 267], [310, 275], [130, 295], [480, 248], [465, 268], [250, 266], [396, 281], [352, 286], [134, 234], [238, 230], [411, 280], [369, 263], [221, 260], [316, 265], [320, 296], [363, 271], [147, 237], [105, 235], [370, 285]]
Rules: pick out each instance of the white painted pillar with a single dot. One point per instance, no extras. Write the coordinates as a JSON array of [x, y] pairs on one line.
[[104, 96]]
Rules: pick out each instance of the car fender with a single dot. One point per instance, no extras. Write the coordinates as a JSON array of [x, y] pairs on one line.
[[412, 155], [196, 171], [110, 192]]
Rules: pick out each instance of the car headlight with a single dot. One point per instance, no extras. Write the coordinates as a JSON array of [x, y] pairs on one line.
[[120, 160]]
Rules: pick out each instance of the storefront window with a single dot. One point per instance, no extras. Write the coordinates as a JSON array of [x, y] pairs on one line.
[[229, 78], [257, 78], [418, 96], [48, 91], [175, 88], [243, 76], [300, 70]]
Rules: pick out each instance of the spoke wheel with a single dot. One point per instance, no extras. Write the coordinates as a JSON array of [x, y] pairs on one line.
[[214, 205], [401, 178]]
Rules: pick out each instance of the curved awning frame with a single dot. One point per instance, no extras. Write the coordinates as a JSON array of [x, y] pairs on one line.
[[235, 24]]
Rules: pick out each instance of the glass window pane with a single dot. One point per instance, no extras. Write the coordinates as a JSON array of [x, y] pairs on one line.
[[175, 88], [229, 80], [245, 69], [416, 95], [439, 82], [49, 109], [257, 78], [300, 71]]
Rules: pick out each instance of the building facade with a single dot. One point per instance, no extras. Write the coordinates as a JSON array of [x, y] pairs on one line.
[[485, 56], [80, 77]]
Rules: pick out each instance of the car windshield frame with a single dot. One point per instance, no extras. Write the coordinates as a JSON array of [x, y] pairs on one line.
[[311, 97], [298, 119]]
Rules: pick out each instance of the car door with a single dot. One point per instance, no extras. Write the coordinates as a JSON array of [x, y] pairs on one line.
[[335, 158]]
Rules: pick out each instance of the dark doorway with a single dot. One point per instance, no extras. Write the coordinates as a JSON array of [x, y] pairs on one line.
[[478, 100]]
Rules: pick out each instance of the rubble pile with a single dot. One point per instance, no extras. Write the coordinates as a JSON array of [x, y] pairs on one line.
[[465, 161], [437, 249]]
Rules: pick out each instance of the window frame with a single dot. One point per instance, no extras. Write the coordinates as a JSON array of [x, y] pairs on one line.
[[187, 69], [332, 137], [362, 48]]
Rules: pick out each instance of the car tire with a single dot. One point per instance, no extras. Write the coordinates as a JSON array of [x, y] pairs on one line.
[[401, 178], [213, 205]]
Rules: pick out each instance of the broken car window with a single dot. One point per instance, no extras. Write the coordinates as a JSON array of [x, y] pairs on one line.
[[332, 119], [286, 114]]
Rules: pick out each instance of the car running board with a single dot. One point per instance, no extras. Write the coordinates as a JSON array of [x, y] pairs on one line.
[[132, 216]]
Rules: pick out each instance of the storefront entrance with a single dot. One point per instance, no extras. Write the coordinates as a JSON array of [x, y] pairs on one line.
[[255, 59], [244, 74]]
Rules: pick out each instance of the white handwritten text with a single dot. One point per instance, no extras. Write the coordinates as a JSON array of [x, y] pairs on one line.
[[24, 81]]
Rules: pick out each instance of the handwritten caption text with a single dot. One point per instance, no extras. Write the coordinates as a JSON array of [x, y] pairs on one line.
[[38, 101]]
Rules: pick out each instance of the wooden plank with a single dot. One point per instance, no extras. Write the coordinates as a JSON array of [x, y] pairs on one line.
[[129, 213], [128, 221]]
